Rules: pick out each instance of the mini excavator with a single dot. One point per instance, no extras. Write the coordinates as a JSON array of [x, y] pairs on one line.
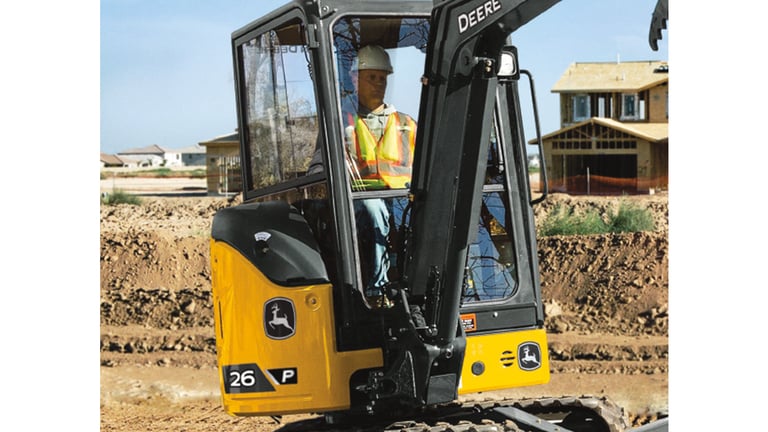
[[462, 310]]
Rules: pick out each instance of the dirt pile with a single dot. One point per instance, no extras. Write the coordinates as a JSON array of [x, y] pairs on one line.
[[155, 268]]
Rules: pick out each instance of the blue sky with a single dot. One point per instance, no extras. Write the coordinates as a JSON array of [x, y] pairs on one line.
[[166, 69]]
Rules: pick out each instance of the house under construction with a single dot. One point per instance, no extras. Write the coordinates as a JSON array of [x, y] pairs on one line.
[[614, 129]]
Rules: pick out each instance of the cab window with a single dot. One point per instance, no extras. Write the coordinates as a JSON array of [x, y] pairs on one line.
[[491, 270], [281, 113], [401, 42]]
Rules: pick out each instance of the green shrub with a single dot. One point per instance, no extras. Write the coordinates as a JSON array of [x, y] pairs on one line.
[[157, 173], [119, 197], [161, 172], [631, 218], [198, 173], [564, 221]]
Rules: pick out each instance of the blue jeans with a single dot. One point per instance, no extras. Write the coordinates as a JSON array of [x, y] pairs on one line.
[[372, 216]]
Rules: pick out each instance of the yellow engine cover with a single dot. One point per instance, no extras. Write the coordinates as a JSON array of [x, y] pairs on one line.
[[275, 345]]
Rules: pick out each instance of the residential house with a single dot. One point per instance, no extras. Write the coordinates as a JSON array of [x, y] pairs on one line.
[[156, 156], [192, 156], [614, 129], [222, 156], [151, 156]]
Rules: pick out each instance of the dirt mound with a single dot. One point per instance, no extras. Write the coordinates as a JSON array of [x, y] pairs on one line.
[[151, 259], [618, 285], [155, 268]]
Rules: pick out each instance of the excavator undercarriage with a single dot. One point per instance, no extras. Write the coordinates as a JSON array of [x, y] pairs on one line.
[[564, 414]]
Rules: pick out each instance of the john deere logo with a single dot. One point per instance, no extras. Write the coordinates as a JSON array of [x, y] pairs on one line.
[[529, 356], [279, 318]]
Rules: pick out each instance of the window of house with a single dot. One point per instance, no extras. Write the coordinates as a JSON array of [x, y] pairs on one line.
[[632, 107], [601, 107], [580, 107]]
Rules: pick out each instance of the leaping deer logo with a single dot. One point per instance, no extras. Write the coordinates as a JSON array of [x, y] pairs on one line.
[[529, 356], [283, 318], [279, 320]]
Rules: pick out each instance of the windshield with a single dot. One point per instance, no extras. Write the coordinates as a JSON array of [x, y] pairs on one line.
[[379, 61]]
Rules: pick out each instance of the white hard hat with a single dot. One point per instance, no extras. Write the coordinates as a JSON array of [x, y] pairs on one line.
[[372, 57]]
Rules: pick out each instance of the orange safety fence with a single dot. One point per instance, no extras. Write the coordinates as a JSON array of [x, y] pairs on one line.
[[603, 185]]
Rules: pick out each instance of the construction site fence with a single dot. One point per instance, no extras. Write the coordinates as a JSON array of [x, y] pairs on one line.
[[602, 185]]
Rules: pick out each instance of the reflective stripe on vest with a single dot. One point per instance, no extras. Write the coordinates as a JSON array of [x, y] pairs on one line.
[[385, 162]]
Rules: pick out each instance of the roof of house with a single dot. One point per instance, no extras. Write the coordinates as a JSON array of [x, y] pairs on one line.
[[193, 149], [228, 138], [137, 159], [610, 77], [651, 132], [111, 159], [153, 149]]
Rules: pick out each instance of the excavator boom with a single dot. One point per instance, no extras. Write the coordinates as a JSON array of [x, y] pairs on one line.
[[467, 38]]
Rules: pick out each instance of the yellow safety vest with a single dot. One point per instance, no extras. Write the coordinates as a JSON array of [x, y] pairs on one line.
[[386, 162]]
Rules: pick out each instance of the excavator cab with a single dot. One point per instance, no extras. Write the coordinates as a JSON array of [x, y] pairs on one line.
[[461, 311]]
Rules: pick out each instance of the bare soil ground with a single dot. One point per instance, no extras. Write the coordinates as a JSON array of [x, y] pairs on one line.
[[606, 303]]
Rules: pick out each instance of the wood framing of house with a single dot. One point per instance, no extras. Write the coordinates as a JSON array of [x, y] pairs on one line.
[[614, 135], [222, 155]]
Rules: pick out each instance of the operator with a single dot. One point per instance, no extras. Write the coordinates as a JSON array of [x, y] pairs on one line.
[[379, 142], [379, 138]]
